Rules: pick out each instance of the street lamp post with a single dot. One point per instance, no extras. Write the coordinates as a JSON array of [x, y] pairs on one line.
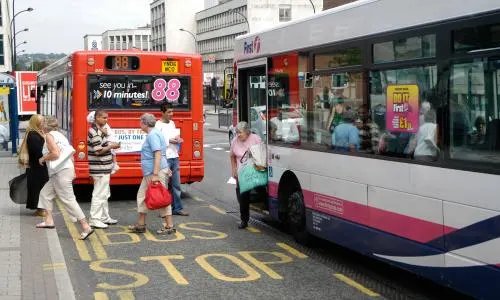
[[194, 38], [13, 29], [244, 17], [22, 43], [19, 52]]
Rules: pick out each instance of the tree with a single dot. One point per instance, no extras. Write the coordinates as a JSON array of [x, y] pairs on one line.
[[38, 65]]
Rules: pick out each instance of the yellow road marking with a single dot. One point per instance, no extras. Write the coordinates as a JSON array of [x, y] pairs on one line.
[[291, 250], [219, 210], [253, 229], [356, 285], [82, 249], [125, 295], [169, 266], [98, 247], [259, 210], [100, 296], [122, 295], [49, 267], [198, 199], [138, 278], [251, 273]]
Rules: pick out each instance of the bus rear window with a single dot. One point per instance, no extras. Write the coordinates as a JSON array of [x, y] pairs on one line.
[[138, 92]]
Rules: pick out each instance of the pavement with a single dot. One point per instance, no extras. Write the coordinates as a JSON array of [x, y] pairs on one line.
[[31, 260]]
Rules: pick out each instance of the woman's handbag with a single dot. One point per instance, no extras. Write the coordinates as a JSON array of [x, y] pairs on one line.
[[66, 153], [18, 189], [23, 157], [250, 176], [157, 196]]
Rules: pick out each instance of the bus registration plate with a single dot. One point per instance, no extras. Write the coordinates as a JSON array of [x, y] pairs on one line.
[[169, 66]]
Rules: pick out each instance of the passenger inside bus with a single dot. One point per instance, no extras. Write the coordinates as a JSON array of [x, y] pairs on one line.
[[345, 137], [285, 126]]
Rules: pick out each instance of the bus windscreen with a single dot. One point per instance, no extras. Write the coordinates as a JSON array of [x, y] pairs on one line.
[[138, 92]]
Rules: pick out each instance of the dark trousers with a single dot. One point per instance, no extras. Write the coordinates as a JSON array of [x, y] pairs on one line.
[[244, 201]]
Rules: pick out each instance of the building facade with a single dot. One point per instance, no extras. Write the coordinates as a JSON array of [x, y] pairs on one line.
[[167, 20], [334, 3], [5, 38], [123, 39], [217, 26]]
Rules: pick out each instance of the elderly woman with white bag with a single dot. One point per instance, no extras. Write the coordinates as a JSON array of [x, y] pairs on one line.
[[58, 155]]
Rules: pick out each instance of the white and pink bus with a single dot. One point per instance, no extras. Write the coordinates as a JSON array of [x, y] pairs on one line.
[[382, 120]]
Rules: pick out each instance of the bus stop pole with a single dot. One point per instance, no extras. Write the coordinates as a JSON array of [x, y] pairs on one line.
[[13, 118]]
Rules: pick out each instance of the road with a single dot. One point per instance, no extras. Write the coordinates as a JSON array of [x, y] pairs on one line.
[[210, 258]]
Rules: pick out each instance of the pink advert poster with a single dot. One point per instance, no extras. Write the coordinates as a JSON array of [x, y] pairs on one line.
[[402, 108]]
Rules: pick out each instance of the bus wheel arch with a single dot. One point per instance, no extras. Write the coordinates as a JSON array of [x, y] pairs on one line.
[[291, 207]]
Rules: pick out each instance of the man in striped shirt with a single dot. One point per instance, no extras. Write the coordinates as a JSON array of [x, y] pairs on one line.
[[100, 166]]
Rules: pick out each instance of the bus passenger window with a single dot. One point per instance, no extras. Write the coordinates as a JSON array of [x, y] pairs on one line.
[[400, 99], [474, 109]]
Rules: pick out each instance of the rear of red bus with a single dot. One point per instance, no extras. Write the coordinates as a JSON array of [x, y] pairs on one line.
[[127, 84]]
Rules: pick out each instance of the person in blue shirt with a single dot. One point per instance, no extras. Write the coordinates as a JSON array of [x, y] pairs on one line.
[[345, 137], [154, 169]]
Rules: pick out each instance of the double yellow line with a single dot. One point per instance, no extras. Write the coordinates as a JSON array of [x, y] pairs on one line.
[[81, 246]]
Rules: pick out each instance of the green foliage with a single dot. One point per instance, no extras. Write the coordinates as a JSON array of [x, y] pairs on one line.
[[39, 60]]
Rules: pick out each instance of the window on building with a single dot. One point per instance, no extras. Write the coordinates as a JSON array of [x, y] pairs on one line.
[[285, 12]]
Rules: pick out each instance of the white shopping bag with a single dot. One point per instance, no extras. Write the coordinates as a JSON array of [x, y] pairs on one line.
[[258, 153]]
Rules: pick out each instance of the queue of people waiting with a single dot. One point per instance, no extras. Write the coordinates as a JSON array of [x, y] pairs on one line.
[[50, 170]]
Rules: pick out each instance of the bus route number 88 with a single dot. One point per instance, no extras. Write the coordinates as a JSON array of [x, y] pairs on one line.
[[121, 62]]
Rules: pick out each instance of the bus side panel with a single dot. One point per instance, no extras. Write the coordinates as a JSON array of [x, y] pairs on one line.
[[79, 126], [476, 234], [415, 217], [471, 280]]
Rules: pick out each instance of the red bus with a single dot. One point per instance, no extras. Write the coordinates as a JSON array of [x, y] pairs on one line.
[[126, 84]]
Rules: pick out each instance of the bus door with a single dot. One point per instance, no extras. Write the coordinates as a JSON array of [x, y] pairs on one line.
[[252, 105]]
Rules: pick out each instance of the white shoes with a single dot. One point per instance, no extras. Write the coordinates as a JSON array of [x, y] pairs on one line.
[[110, 221], [97, 224], [115, 168]]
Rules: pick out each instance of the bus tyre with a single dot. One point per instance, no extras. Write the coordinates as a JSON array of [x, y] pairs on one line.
[[297, 218]]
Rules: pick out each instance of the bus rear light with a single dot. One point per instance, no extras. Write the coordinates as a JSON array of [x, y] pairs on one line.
[[196, 144], [197, 154], [81, 155], [187, 63], [195, 126], [90, 61]]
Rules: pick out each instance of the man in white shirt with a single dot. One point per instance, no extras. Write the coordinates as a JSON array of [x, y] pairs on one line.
[[172, 136]]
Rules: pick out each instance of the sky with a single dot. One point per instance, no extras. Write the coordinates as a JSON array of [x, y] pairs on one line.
[[58, 26]]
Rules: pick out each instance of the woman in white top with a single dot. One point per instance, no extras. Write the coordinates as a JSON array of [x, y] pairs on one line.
[[60, 182], [426, 139]]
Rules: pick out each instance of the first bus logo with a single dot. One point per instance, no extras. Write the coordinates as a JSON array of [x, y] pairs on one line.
[[252, 47]]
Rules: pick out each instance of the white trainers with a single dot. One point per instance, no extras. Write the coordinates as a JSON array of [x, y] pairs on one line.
[[98, 224], [110, 221], [115, 168]]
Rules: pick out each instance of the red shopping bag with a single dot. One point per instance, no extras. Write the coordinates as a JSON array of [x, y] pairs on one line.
[[157, 196]]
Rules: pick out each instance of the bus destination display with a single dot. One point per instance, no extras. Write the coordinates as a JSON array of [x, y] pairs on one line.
[[122, 63]]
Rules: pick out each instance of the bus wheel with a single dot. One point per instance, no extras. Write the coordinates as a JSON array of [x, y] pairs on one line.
[[297, 218]]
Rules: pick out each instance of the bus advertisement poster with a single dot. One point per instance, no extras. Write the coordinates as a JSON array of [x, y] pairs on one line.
[[26, 92], [131, 139], [402, 108]]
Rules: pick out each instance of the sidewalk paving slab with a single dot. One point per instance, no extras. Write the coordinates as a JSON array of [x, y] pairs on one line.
[[26, 253]]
